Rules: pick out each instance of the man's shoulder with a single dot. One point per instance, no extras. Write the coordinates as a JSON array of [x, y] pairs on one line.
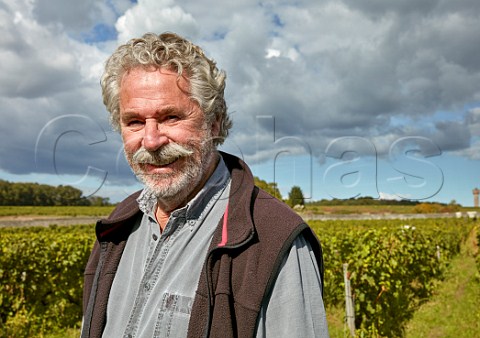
[[126, 208], [273, 217], [122, 215], [271, 209]]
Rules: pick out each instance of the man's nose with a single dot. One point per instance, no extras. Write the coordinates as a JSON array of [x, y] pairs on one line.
[[154, 137]]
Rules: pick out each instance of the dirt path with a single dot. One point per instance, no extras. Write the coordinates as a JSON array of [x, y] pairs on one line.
[[20, 221]]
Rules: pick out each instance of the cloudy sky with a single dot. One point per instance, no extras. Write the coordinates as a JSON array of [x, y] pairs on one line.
[[341, 97]]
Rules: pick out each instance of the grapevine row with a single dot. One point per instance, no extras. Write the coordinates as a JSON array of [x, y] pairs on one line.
[[41, 273], [393, 265]]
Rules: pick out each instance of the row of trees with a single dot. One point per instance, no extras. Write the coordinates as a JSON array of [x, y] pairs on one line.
[[35, 194], [295, 196], [367, 200]]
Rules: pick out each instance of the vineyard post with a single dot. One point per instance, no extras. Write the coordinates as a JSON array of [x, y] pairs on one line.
[[349, 301]]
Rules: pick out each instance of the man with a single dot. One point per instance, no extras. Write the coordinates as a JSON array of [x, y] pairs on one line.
[[200, 251]]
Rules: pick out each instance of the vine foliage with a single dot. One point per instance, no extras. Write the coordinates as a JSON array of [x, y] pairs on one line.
[[394, 265]]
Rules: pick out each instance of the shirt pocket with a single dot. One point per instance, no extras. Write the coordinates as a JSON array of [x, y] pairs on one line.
[[173, 316]]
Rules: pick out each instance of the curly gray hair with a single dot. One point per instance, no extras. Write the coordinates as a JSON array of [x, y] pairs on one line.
[[207, 82]]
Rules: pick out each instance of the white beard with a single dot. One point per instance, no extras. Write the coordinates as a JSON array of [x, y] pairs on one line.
[[177, 186]]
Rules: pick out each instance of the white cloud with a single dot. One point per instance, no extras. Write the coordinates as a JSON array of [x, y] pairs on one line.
[[472, 152], [155, 16], [45, 74], [272, 53], [35, 60], [473, 123]]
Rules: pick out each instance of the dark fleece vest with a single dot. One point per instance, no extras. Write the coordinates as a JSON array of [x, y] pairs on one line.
[[243, 261]]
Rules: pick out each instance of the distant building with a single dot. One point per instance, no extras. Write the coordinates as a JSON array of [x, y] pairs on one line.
[[475, 192]]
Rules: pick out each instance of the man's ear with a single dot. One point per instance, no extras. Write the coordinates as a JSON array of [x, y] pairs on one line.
[[215, 127]]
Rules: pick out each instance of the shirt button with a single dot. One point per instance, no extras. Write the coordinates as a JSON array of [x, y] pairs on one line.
[[155, 237]]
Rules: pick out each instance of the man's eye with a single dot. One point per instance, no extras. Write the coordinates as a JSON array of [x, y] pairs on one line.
[[172, 117], [134, 123]]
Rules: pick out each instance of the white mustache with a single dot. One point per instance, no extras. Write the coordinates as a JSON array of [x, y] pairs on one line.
[[165, 155]]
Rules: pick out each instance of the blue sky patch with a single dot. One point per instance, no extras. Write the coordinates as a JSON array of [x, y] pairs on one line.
[[101, 32]]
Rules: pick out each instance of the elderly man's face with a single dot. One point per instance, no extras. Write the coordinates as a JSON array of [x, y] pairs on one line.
[[167, 141]]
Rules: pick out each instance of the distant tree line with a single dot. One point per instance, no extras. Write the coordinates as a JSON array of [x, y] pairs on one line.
[[295, 196], [297, 200], [35, 194], [362, 201], [270, 188], [419, 206]]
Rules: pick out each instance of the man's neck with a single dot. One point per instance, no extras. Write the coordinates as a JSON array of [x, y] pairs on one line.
[[162, 218]]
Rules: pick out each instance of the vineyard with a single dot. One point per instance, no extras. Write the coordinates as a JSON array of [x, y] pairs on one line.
[[393, 266], [41, 270]]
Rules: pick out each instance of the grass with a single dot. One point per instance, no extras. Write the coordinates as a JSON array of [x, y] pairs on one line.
[[453, 311], [336, 322]]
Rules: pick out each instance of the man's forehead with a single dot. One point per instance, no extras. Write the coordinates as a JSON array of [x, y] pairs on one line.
[[155, 88], [143, 71]]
